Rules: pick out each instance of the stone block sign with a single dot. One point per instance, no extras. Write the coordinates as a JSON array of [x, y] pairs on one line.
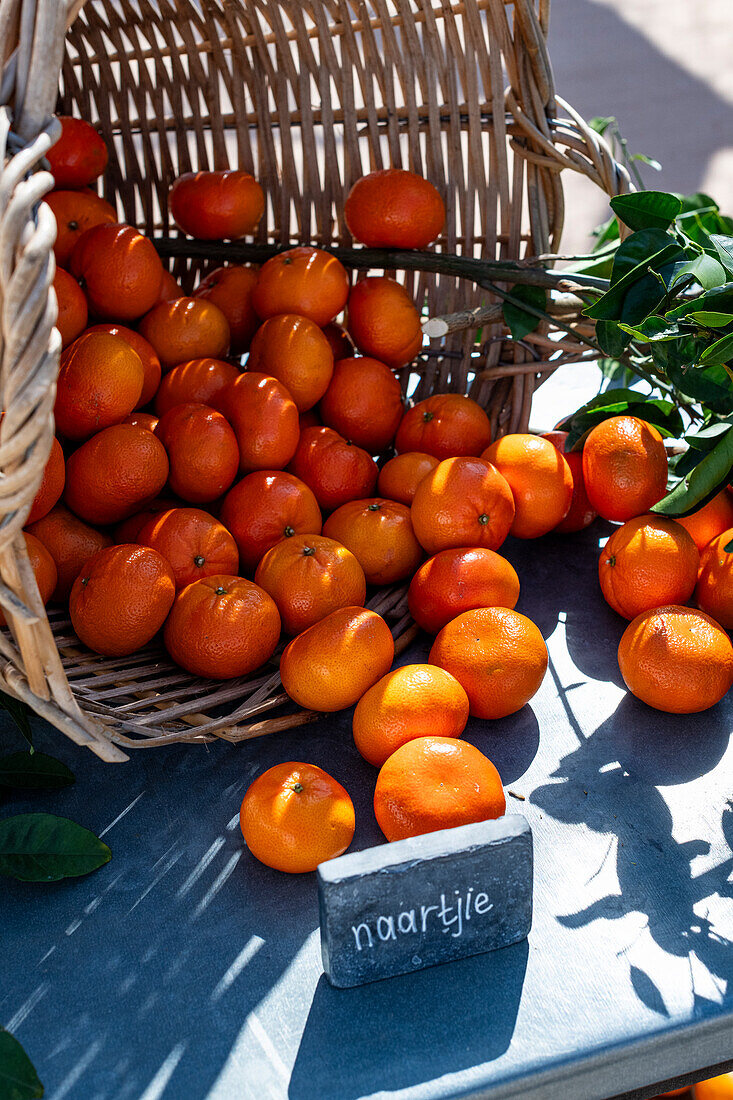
[[403, 906]]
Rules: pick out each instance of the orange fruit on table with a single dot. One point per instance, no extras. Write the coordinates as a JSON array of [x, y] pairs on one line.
[[648, 562], [624, 467], [715, 1088], [264, 418], [119, 271], [79, 156], [339, 341], [75, 212], [199, 380], [72, 306], [455, 581], [581, 512], [70, 542], [52, 484], [436, 783], [148, 358], [222, 627], [332, 664], [399, 478], [540, 481], [498, 655], [188, 328], [202, 452], [363, 403], [302, 280], [265, 507], [294, 350], [216, 206], [115, 473], [142, 420], [44, 570], [194, 544], [121, 598], [230, 288], [295, 816], [170, 288], [393, 208], [463, 502], [409, 702], [130, 528], [709, 521], [99, 384], [379, 534], [446, 425], [336, 471], [714, 591], [308, 577], [384, 322], [676, 659]]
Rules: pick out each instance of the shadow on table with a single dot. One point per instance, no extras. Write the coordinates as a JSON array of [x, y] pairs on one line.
[[397, 1033]]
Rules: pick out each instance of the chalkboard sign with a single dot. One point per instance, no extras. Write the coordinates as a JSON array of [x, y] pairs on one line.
[[430, 899]]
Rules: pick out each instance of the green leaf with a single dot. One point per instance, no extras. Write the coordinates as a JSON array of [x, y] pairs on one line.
[[650, 161], [724, 247], [19, 712], [18, 1078], [646, 209], [34, 771], [622, 402], [710, 319], [717, 300], [652, 330], [708, 272], [702, 483], [519, 321], [46, 848], [601, 123], [643, 298], [706, 438], [719, 352], [649, 249], [611, 339]]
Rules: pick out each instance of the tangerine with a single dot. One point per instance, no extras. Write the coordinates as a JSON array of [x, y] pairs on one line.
[[194, 544], [363, 403], [379, 534], [119, 271], [648, 562], [265, 507], [70, 542], [79, 156], [294, 350], [393, 208], [264, 418], [202, 452], [624, 467], [75, 212], [200, 380], [72, 307], [302, 280], [230, 288], [44, 570], [189, 328], [540, 481], [463, 502], [216, 206], [336, 471], [52, 484], [581, 512], [714, 591], [99, 384], [384, 323], [399, 478], [455, 581], [113, 474], [709, 521], [148, 358], [446, 425]]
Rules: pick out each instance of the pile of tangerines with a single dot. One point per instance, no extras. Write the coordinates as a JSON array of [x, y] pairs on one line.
[[187, 495]]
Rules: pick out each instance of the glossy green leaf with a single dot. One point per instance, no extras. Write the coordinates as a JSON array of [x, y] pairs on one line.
[[702, 483], [705, 438], [19, 712], [710, 319], [34, 771], [648, 249], [18, 1078], [719, 352], [622, 402], [646, 209], [706, 271], [643, 298], [611, 339], [46, 848], [718, 300], [723, 245], [519, 321]]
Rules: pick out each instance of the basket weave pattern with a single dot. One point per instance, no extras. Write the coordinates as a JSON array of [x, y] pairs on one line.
[[308, 95]]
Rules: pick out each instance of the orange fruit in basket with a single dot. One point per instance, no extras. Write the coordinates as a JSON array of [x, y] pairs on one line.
[[265, 507], [230, 288], [113, 474], [436, 783], [188, 328], [79, 156], [294, 350], [202, 452], [44, 570], [222, 627], [142, 420], [339, 341], [130, 528], [676, 659], [302, 280], [329, 666], [148, 358], [399, 478], [295, 816], [119, 271], [216, 206], [581, 512], [540, 481], [709, 521], [72, 307], [714, 592], [648, 562], [194, 544], [715, 1088], [99, 384], [70, 542], [170, 288], [393, 208], [498, 655], [121, 598], [463, 502], [200, 380], [308, 577], [363, 403], [379, 534], [409, 702], [383, 321], [52, 484], [455, 581], [264, 418], [75, 212], [446, 425], [624, 467], [334, 469]]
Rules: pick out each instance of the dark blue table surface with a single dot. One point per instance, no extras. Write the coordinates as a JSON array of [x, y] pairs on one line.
[[185, 969]]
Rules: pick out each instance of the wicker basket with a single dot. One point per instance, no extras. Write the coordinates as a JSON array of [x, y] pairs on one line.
[[308, 95]]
